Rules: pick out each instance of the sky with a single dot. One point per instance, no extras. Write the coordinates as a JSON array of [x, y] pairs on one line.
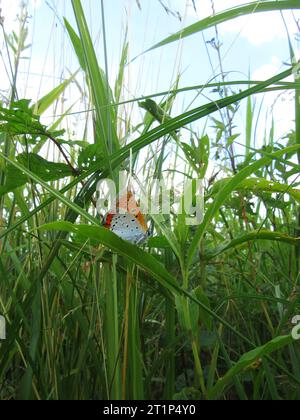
[[253, 45]]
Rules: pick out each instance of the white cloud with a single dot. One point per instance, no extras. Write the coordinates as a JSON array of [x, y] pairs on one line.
[[258, 28], [267, 70]]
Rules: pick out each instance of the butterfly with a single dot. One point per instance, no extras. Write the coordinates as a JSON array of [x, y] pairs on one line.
[[129, 223]]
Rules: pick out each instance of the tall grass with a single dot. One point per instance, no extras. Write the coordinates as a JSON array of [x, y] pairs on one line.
[[199, 312]]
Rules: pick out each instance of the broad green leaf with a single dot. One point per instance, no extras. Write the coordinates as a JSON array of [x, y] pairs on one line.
[[73, 206], [98, 83], [44, 103], [203, 316], [204, 151], [48, 171], [231, 139], [158, 112], [198, 155], [113, 242], [158, 242], [76, 42], [122, 66], [180, 304], [247, 359], [90, 155], [90, 173], [196, 313], [253, 236], [19, 119], [187, 394], [258, 185]]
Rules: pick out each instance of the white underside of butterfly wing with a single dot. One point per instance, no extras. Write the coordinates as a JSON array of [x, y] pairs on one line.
[[128, 228]]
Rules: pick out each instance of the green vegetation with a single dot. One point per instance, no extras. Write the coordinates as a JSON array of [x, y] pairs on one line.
[[198, 312]]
